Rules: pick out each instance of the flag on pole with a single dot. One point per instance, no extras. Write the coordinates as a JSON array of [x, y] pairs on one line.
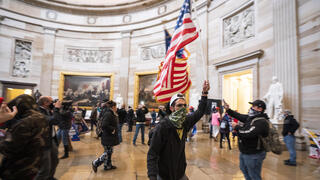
[[173, 76]]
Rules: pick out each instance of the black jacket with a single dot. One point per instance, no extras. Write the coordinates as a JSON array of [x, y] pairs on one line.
[[166, 156], [289, 125], [141, 114], [53, 119], [109, 125], [65, 121], [130, 115], [248, 135], [122, 115]]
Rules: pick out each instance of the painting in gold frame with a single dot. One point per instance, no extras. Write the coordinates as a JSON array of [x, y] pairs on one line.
[[85, 89], [143, 91]]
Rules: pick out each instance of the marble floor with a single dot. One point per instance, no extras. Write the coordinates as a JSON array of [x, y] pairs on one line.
[[204, 157]]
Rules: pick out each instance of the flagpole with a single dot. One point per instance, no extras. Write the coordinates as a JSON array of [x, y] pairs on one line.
[[201, 47]]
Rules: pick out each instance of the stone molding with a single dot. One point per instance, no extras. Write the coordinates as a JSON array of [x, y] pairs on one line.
[[21, 66], [88, 55], [239, 26], [49, 30]]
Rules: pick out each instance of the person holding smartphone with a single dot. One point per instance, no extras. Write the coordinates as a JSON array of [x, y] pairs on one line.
[[5, 112]]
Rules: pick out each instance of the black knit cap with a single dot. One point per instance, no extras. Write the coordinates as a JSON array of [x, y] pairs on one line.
[[258, 103]]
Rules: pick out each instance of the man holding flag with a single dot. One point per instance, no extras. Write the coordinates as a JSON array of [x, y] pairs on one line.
[[166, 156], [166, 159]]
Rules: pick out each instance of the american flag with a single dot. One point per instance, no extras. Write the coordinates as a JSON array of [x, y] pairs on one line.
[[173, 77]]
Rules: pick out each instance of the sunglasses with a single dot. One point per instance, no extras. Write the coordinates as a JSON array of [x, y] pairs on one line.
[[180, 105]]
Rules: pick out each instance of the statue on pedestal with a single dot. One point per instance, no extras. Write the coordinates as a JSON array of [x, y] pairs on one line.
[[273, 99], [119, 101]]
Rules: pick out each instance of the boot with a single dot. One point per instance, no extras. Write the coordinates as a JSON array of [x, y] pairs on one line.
[[66, 152]]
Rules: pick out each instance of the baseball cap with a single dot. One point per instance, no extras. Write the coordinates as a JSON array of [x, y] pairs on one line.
[[175, 97], [258, 103]]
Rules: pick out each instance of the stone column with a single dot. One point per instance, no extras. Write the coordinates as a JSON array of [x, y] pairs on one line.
[[124, 66], [47, 60], [200, 16], [285, 65]]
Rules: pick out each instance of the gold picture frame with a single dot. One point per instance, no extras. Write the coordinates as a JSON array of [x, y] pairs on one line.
[[94, 87], [137, 89]]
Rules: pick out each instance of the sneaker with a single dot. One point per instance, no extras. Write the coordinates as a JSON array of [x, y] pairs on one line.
[[106, 168], [290, 163], [134, 144], [94, 168]]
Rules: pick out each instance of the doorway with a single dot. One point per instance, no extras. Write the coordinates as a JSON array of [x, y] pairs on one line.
[[237, 90], [10, 89], [11, 93]]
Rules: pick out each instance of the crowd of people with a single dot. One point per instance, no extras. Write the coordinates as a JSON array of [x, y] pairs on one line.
[[29, 140]]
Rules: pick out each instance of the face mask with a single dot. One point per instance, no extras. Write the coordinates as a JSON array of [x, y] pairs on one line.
[[253, 112], [178, 117]]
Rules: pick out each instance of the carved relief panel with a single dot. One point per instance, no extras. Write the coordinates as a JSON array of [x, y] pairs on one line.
[[22, 59], [239, 26], [152, 52], [88, 55]]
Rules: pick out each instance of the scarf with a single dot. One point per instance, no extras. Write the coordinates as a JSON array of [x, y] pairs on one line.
[[178, 117], [253, 112]]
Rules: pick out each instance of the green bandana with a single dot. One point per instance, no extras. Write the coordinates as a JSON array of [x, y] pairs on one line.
[[178, 117]]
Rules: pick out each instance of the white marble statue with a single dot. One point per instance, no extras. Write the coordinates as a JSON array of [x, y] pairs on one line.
[[273, 99], [119, 101]]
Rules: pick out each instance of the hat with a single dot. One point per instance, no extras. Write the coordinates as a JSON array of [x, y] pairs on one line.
[[175, 97], [258, 103]]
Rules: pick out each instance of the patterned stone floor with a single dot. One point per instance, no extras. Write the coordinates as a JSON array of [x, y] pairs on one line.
[[204, 157]]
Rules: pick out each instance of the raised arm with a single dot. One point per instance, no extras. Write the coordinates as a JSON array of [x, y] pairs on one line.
[[196, 116]]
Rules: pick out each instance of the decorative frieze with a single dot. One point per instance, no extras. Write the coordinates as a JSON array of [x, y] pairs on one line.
[[22, 59], [153, 52], [86, 55], [239, 26]]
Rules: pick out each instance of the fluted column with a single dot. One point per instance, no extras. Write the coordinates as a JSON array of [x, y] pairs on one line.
[[285, 65], [124, 66], [47, 60]]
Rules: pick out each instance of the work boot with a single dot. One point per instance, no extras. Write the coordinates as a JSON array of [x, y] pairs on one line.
[[66, 152]]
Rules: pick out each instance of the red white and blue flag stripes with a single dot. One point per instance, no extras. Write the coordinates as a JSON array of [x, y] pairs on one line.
[[173, 76]]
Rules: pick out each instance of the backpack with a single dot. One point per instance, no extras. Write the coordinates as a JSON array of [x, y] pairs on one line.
[[272, 141]]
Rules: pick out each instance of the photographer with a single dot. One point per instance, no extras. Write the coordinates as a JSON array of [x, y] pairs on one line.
[[64, 126], [49, 159]]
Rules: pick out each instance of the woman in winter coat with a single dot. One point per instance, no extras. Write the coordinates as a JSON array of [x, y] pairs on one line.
[[23, 143], [109, 137]]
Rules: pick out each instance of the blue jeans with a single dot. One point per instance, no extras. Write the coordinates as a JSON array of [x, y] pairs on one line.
[[64, 135], [251, 165], [120, 132], [139, 126], [290, 141]]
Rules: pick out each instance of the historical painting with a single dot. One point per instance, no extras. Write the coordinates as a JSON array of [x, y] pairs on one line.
[[144, 83], [85, 89]]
